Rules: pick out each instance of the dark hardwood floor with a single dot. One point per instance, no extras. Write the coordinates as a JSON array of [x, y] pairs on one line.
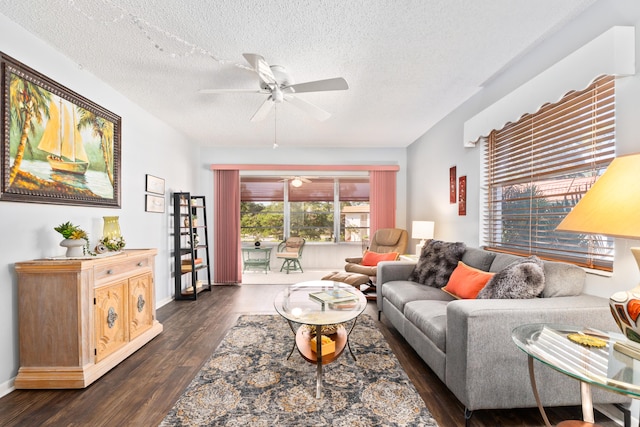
[[142, 389]]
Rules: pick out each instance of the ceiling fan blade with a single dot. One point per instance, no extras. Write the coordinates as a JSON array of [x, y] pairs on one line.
[[303, 179], [314, 111], [261, 67], [231, 91], [337, 83], [263, 111]]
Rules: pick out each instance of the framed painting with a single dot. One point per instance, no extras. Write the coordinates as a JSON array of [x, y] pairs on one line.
[[57, 146], [154, 184], [154, 203]]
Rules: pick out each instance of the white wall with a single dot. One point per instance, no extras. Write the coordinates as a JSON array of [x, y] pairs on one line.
[[428, 179], [148, 147]]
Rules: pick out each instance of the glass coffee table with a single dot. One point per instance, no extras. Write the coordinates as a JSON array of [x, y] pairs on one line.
[[297, 307], [605, 367]]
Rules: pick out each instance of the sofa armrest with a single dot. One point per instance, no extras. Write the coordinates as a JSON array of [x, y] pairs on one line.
[[479, 347], [389, 271], [354, 260]]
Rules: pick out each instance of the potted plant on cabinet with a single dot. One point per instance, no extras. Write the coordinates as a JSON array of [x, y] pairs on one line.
[[76, 240]]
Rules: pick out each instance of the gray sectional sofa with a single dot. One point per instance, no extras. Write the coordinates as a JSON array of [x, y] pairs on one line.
[[467, 343]]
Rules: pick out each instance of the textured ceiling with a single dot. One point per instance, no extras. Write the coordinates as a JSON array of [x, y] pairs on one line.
[[408, 63]]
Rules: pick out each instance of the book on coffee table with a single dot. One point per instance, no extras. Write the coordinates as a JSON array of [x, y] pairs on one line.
[[333, 296]]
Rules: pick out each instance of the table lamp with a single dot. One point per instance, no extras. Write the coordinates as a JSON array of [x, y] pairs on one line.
[[422, 230], [612, 207]]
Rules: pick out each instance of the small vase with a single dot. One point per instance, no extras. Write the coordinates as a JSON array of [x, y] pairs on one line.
[[625, 308], [75, 247], [111, 227]]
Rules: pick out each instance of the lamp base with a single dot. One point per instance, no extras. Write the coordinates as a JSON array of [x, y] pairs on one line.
[[625, 309]]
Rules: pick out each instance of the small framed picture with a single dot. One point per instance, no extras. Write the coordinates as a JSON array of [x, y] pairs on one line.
[[452, 185], [154, 185], [462, 196], [154, 203]]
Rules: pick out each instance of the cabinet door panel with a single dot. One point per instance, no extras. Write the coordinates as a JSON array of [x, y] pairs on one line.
[[140, 304], [111, 319]]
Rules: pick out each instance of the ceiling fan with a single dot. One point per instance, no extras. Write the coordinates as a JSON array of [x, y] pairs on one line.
[[278, 84], [297, 181]]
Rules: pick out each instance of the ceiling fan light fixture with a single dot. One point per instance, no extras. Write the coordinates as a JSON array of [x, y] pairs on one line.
[[296, 182]]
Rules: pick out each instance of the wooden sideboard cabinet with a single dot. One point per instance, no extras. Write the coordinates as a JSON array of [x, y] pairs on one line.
[[78, 318]]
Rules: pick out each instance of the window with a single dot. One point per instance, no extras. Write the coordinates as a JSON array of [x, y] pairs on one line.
[[262, 221], [311, 208], [354, 221], [538, 168], [273, 209], [261, 209], [354, 210]]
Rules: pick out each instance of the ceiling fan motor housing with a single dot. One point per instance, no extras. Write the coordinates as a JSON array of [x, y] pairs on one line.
[[282, 77]]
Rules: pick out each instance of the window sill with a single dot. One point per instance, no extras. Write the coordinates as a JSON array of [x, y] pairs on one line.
[[598, 272], [333, 243]]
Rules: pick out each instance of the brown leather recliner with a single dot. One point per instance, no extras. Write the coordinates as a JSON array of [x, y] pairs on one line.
[[384, 240]]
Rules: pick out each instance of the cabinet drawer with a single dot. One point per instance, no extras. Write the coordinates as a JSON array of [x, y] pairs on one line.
[[128, 267]]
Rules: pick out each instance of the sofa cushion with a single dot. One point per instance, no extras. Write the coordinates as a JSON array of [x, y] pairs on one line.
[[401, 292], [437, 261], [478, 258], [465, 282], [563, 280], [521, 279], [502, 261], [430, 317]]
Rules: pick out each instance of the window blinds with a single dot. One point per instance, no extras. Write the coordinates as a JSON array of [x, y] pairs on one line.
[[259, 189], [538, 168], [271, 189]]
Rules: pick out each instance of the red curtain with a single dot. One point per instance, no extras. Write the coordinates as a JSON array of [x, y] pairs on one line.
[[382, 200], [227, 265]]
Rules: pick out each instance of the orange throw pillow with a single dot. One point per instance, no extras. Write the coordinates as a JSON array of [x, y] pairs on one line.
[[466, 282], [372, 259]]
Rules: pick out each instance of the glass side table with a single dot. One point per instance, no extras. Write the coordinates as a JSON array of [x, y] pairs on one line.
[[603, 367], [294, 304]]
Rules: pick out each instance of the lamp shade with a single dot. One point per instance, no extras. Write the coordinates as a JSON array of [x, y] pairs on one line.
[[422, 230], [612, 205]]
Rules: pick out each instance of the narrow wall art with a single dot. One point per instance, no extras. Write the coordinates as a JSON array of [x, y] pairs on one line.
[[452, 185], [462, 196]]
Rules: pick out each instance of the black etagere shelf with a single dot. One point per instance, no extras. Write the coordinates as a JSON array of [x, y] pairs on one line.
[[191, 250]]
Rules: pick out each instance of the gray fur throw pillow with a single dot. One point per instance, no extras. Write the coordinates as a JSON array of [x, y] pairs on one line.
[[437, 261], [521, 279]]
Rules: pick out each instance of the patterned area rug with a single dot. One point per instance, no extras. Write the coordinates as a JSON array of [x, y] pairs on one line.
[[248, 382]]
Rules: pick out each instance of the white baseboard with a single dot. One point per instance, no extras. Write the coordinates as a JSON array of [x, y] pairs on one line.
[[7, 387], [163, 302]]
